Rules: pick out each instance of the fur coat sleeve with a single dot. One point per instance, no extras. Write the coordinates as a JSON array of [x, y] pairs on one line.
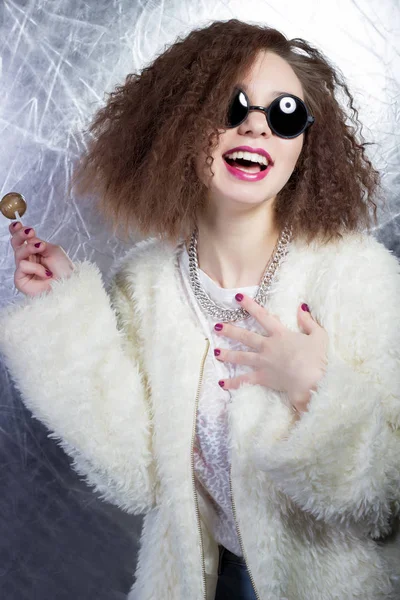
[[341, 460], [72, 355]]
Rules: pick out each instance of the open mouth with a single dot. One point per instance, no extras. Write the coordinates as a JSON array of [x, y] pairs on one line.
[[249, 166]]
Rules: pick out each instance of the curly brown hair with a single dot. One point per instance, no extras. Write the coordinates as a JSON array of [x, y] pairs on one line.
[[140, 158]]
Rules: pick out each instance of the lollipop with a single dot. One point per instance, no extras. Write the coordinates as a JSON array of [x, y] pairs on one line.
[[13, 205]]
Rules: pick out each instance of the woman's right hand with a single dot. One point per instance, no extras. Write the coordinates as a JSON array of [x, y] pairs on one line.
[[37, 266]]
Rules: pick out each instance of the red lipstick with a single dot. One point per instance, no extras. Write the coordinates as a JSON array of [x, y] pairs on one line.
[[247, 176]]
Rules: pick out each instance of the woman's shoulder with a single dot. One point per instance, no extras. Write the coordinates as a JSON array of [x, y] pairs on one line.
[[356, 274], [361, 274], [355, 256], [366, 257], [368, 246], [145, 255]]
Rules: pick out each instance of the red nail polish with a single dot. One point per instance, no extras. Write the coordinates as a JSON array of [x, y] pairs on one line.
[[218, 327], [49, 273], [239, 297], [305, 307], [14, 224], [217, 352], [221, 383]]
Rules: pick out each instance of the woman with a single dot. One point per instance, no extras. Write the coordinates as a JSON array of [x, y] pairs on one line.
[[264, 454]]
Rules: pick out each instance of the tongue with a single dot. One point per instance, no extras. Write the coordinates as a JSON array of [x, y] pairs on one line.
[[253, 168]]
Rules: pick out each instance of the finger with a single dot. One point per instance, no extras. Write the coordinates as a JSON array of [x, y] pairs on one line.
[[261, 314], [19, 237], [15, 227], [248, 338], [35, 246], [251, 359], [27, 270], [235, 382]]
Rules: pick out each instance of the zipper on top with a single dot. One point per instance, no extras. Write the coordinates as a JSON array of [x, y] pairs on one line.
[[195, 491], [240, 536], [192, 465]]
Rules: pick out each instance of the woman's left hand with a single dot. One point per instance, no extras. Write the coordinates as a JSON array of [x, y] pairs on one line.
[[285, 360]]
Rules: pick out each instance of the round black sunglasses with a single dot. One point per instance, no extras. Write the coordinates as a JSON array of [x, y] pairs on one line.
[[287, 115]]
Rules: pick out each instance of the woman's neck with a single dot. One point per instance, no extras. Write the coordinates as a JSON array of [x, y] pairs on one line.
[[235, 256]]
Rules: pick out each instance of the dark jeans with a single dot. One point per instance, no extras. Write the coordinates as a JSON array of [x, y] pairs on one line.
[[233, 578]]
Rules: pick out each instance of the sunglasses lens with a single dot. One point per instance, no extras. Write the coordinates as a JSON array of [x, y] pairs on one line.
[[237, 110], [288, 116]]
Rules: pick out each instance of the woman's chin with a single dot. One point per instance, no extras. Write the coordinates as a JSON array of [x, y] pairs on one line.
[[233, 197]]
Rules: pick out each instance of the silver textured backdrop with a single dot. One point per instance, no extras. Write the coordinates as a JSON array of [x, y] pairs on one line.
[[58, 58]]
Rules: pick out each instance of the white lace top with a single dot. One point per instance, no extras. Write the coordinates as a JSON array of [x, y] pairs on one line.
[[211, 458]]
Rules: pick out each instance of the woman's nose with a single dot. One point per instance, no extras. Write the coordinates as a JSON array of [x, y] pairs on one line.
[[256, 124]]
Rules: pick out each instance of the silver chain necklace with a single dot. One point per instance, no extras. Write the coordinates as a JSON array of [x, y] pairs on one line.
[[236, 314]]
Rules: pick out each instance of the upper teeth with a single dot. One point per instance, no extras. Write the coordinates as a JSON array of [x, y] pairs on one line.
[[253, 156]]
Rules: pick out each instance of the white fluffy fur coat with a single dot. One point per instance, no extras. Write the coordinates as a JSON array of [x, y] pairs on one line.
[[115, 374]]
